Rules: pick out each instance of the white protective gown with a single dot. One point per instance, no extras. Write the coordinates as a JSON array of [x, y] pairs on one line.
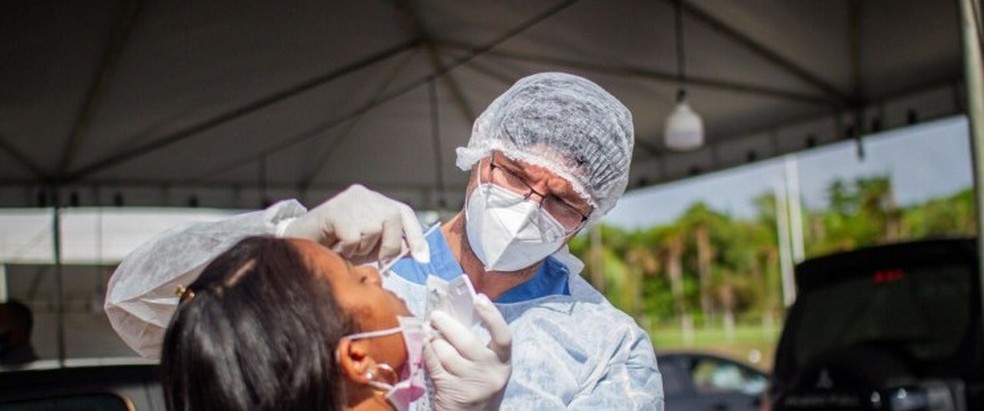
[[571, 348]]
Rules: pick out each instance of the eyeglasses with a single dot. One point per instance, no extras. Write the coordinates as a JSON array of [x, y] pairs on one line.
[[567, 215]]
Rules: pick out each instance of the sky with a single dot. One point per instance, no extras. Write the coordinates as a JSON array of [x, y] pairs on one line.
[[924, 161]]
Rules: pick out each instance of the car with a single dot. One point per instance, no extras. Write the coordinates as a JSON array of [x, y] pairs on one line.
[[692, 381], [889, 327], [45, 385], [697, 381]]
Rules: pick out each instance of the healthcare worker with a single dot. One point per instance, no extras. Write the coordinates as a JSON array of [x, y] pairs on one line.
[[547, 157]]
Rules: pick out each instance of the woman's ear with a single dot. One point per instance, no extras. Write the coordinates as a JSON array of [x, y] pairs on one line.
[[354, 360]]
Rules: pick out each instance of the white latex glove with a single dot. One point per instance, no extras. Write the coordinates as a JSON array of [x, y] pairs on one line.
[[362, 225], [468, 375]]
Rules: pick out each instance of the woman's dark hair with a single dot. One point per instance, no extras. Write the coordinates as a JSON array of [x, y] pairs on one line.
[[260, 333], [20, 316]]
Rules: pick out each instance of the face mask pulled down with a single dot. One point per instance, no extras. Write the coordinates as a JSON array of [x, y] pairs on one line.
[[411, 384], [508, 232]]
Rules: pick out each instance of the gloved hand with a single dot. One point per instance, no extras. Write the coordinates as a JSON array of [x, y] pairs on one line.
[[362, 225], [468, 375]]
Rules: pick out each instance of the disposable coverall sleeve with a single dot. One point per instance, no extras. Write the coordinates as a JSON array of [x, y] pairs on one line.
[[140, 296], [629, 381]]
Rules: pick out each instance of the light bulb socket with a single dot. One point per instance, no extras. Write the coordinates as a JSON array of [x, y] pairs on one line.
[[681, 95]]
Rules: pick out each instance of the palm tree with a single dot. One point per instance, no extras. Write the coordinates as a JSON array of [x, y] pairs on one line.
[[609, 270], [675, 245], [701, 221], [876, 200], [768, 243], [858, 216]]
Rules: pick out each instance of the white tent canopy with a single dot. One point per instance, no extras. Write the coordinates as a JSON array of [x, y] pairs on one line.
[[232, 104]]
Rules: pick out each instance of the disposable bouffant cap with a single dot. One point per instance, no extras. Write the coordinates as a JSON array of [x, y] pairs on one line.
[[564, 123]]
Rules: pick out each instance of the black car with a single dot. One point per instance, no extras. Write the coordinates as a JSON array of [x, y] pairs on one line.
[[700, 381], [893, 327], [100, 387]]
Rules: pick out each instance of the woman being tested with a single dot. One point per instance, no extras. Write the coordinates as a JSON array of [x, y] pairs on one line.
[[286, 324]]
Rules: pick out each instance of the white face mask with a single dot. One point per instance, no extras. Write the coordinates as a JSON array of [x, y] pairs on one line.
[[508, 232], [411, 385]]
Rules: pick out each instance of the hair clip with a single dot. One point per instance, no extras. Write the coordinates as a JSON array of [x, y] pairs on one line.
[[184, 293]]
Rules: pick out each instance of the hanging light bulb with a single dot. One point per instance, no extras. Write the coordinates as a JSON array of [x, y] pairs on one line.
[[684, 129]]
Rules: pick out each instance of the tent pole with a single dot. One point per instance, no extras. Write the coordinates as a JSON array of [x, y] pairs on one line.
[[3, 281], [59, 294], [786, 268], [975, 113], [795, 209]]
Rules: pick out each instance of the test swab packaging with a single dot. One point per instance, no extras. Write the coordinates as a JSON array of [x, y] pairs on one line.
[[456, 298]]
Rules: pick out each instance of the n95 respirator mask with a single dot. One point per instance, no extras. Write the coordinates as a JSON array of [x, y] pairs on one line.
[[507, 231]]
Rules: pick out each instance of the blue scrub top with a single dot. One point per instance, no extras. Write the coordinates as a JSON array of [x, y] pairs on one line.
[[550, 279]]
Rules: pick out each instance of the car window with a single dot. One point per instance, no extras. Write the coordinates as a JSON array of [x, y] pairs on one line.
[[712, 375], [88, 402], [924, 312]]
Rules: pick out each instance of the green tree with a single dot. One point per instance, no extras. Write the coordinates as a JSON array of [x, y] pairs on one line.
[[948, 216], [614, 266], [765, 224], [700, 222], [862, 212]]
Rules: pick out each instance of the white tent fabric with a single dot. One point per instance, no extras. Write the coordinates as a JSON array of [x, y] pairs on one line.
[[237, 103]]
